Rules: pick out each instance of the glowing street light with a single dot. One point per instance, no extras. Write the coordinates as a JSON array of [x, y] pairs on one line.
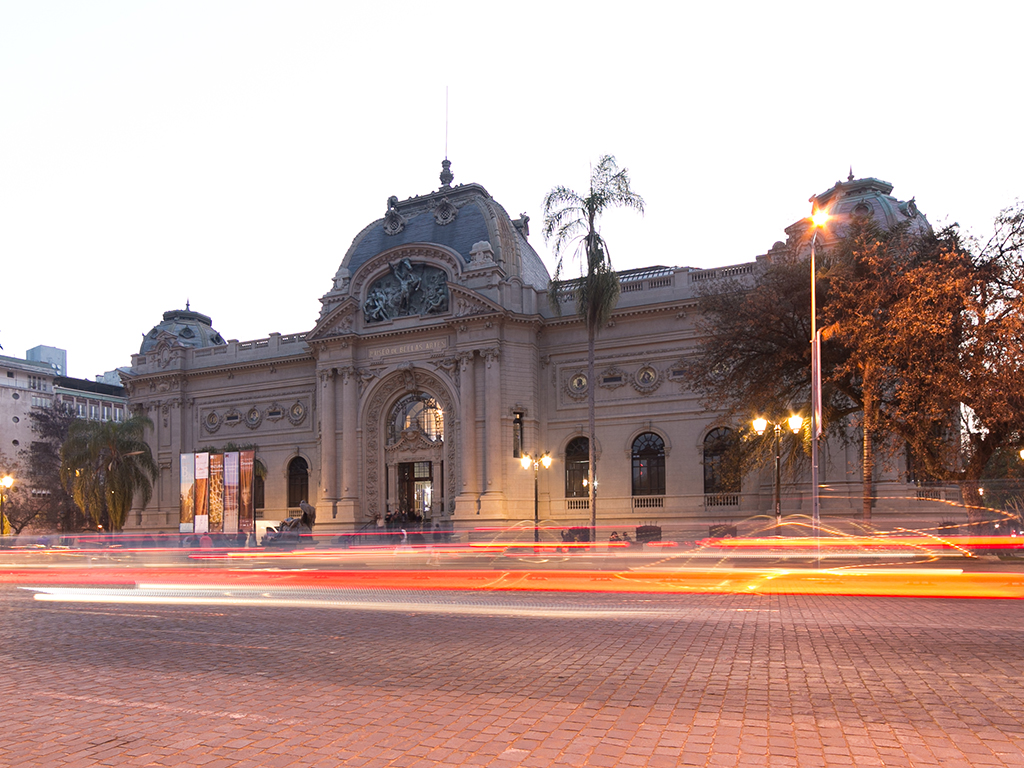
[[5, 485], [526, 461], [760, 425]]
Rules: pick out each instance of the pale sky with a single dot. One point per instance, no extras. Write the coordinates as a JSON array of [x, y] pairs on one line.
[[226, 153]]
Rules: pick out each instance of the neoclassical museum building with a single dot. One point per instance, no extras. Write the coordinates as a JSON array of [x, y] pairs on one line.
[[437, 362]]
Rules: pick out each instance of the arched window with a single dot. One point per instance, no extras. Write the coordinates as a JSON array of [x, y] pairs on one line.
[[417, 411], [720, 474], [577, 463], [648, 465], [298, 481]]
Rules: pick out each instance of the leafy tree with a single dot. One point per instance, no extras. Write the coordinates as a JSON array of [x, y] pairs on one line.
[[754, 358], [924, 344], [18, 507], [105, 464], [941, 322], [51, 426], [571, 222]]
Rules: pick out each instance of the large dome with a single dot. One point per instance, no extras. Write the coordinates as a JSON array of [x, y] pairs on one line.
[[456, 217], [190, 328], [869, 197]]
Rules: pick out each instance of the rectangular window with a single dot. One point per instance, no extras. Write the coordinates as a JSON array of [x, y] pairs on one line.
[[80, 410], [94, 411], [118, 414], [106, 413]]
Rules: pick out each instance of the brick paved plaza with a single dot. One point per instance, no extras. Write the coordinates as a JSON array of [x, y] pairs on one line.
[[510, 680]]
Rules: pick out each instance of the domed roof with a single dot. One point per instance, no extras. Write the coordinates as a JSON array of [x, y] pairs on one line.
[[458, 218], [869, 197], [190, 328]]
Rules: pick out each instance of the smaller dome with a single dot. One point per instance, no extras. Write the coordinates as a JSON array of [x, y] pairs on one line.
[[191, 329]]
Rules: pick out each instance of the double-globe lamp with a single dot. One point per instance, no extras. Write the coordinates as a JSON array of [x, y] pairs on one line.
[[526, 461], [795, 422]]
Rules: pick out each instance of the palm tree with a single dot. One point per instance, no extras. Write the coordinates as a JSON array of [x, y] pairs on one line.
[[104, 464], [572, 219]]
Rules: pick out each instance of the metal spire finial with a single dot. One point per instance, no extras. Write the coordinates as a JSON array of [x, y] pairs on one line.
[[446, 173], [850, 177]]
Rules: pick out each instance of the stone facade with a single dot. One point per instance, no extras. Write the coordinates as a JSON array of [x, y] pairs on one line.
[[437, 359]]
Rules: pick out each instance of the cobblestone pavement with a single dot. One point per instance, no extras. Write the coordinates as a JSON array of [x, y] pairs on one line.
[[511, 680]]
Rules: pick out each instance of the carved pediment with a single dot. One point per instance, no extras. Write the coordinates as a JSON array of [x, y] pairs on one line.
[[466, 303], [414, 440], [337, 322]]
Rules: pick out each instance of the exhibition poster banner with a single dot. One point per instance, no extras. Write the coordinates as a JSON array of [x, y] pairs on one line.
[[217, 493], [202, 484], [247, 460], [231, 492], [187, 511]]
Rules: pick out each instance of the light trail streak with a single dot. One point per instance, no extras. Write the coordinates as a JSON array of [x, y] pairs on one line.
[[892, 582]]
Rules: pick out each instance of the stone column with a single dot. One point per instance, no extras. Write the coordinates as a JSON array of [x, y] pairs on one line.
[[466, 501], [493, 501], [328, 438], [349, 485]]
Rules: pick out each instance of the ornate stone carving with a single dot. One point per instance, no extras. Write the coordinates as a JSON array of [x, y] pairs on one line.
[[576, 385], [394, 222], [414, 441], [491, 355], [481, 253], [447, 177], [212, 422], [409, 289], [409, 377], [465, 307], [275, 412], [646, 379], [253, 418], [613, 378], [297, 413], [445, 212], [364, 377], [450, 365]]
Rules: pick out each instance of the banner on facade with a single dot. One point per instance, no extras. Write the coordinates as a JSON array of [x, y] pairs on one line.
[[186, 514], [217, 493], [247, 461], [202, 484], [231, 492]]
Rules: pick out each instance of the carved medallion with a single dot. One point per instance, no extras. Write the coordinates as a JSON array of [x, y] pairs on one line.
[[646, 380], [577, 385], [297, 413]]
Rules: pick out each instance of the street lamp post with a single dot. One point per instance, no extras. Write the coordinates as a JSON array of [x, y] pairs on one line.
[[5, 485], [818, 220], [526, 461], [760, 425]]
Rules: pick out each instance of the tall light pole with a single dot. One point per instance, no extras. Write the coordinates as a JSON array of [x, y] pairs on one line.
[[5, 485], [526, 461], [818, 220], [760, 425]]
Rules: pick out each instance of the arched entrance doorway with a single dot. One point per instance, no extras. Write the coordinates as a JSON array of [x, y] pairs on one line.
[[412, 469], [415, 460]]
